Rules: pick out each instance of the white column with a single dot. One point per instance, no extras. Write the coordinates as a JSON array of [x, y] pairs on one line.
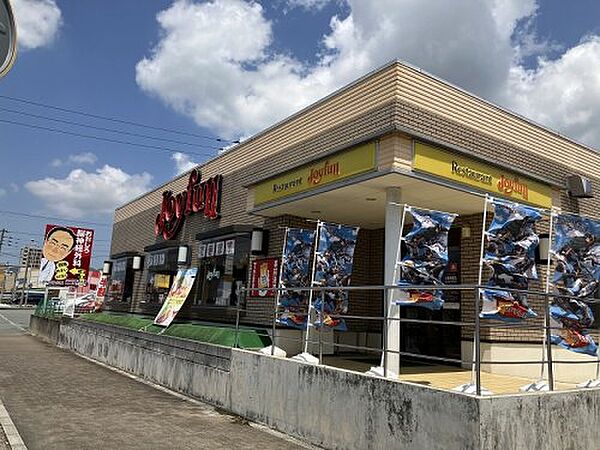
[[393, 218]]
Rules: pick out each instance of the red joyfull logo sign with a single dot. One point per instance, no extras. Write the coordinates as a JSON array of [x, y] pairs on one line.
[[199, 196]]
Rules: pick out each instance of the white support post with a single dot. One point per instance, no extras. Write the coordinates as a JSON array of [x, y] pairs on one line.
[[393, 231]]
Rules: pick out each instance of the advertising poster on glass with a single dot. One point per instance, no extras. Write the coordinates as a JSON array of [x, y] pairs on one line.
[[426, 258], [66, 256], [265, 273], [180, 289], [509, 252], [576, 253], [295, 273], [335, 258]]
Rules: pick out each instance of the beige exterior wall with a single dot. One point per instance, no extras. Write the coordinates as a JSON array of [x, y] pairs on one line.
[[393, 105]]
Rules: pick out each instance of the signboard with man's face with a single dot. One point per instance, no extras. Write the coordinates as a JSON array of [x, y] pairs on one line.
[[66, 256]]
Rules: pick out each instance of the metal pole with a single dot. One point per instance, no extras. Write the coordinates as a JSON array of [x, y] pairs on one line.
[[477, 345], [4, 273], [394, 281], [278, 293], [237, 323], [546, 336], [321, 317], [384, 356], [476, 337], [312, 282], [25, 280], [549, 346]]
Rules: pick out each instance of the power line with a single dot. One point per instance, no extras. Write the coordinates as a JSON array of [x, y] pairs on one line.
[[113, 119], [98, 138], [110, 130], [36, 216], [38, 234]]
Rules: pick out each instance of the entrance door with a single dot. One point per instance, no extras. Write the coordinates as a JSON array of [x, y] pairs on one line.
[[436, 340]]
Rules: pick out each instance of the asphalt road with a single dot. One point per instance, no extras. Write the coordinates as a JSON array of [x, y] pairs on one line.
[[58, 400]]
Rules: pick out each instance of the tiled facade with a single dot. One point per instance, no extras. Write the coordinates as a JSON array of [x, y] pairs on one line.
[[390, 120]]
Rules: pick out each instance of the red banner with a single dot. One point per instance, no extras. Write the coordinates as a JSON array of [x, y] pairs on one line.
[[66, 256], [265, 274]]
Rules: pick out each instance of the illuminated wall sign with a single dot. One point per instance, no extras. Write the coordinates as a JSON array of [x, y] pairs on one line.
[[336, 167], [200, 196], [471, 172]]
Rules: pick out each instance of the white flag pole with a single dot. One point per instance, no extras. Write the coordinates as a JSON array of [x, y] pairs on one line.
[[312, 282], [278, 292], [471, 388]]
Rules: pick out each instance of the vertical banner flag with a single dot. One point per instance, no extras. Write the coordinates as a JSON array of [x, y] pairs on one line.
[[66, 256], [295, 273], [510, 254], [335, 257], [426, 257], [576, 251], [180, 289], [101, 292]]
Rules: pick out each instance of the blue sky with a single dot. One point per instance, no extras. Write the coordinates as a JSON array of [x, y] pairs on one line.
[[217, 69]]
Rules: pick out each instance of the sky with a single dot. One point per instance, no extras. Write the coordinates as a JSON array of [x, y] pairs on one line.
[[201, 74]]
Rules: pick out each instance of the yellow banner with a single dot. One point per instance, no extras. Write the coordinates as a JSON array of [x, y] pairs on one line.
[[336, 167], [493, 179]]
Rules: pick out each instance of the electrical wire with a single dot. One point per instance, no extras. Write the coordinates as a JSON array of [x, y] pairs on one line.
[[111, 140], [36, 216], [113, 119], [110, 130], [38, 234]]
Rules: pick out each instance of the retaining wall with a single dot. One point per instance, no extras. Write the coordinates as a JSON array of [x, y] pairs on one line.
[[335, 408]]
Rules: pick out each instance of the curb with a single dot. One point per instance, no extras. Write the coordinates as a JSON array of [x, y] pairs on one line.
[[12, 434]]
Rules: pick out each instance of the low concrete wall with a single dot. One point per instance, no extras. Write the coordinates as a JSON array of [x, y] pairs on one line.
[[48, 329], [191, 367], [336, 408]]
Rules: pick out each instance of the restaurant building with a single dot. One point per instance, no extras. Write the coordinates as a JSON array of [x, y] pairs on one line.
[[397, 135]]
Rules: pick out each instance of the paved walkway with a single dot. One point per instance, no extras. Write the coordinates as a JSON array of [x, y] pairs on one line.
[[58, 400]]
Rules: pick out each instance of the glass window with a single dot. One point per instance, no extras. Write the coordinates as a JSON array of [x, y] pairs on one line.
[[121, 281], [222, 270], [161, 268]]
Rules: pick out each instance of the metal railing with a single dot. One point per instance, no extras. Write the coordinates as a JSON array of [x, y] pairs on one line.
[[546, 361]]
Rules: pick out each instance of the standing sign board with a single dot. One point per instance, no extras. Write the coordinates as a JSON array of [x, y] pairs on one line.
[[66, 256], [8, 37], [180, 289]]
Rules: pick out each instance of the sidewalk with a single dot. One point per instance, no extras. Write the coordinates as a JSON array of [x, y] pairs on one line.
[[58, 400]]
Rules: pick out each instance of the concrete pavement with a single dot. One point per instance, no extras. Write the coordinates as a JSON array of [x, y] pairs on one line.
[[58, 400]]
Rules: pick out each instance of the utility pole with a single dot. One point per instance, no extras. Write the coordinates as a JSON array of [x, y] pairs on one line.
[[3, 232]]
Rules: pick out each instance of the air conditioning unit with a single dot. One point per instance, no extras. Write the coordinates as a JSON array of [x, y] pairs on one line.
[[579, 187]]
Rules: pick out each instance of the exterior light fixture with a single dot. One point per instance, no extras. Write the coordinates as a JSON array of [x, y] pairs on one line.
[[137, 263], [257, 242], [465, 232], [182, 254], [543, 249], [107, 268]]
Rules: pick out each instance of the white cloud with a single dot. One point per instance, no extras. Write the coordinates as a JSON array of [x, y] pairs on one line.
[[563, 94], [38, 22], [78, 158], [2, 192], [84, 193], [183, 163], [308, 4], [236, 84], [83, 158]]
